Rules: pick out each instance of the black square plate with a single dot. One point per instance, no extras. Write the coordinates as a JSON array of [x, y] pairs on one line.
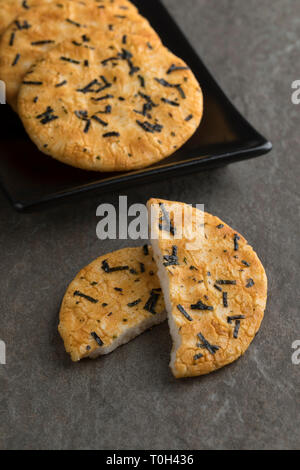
[[224, 136]]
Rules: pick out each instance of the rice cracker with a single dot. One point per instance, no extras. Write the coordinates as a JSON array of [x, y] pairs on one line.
[[215, 292], [110, 302], [119, 106]]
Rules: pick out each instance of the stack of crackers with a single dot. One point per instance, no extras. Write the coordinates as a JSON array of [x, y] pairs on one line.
[[93, 84]]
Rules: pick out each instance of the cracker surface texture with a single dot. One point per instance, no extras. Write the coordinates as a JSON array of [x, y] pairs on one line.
[[111, 301], [215, 288]]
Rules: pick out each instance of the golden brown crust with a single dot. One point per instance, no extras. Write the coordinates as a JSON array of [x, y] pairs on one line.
[[224, 255], [97, 301], [43, 26], [140, 128]]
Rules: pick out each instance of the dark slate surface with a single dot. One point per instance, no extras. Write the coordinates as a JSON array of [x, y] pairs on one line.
[[129, 399]]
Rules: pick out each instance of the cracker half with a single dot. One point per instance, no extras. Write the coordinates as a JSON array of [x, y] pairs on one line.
[[111, 301], [215, 292], [43, 26], [117, 103]]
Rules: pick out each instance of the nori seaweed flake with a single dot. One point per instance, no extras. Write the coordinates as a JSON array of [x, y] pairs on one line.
[[134, 303], [220, 226], [164, 83], [74, 23], [118, 289], [31, 82], [111, 134], [225, 282], [68, 59], [142, 81], [97, 338], [170, 102], [106, 97], [152, 301], [106, 268], [58, 85], [225, 299], [24, 5], [205, 344], [47, 116], [100, 121], [201, 306], [172, 260], [146, 250], [236, 239], [168, 225], [42, 43], [148, 127], [250, 283], [189, 117], [175, 68], [20, 26], [235, 317], [142, 267], [12, 38], [95, 86], [84, 296], [184, 312], [16, 60], [236, 329], [198, 356], [245, 263]]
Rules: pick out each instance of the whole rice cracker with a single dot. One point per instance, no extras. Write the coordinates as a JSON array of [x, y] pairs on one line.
[[119, 106], [215, 292], [110, 302], [10, 9], [40, 28]]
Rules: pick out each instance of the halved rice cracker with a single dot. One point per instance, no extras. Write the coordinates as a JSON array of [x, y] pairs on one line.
[[111, 301], [10, 9], [215, 291], [39, 29], [119, 106]]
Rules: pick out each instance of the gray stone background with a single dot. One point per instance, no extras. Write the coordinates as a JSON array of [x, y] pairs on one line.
[[129, 400]]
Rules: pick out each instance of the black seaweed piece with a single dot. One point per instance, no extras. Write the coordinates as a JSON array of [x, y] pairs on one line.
[[106, 268], [142, 81], [118, 289], [236, 239], [152, 301], [12, 38], [68, 59], [134, 303], [201, 306], [84, 296], [205, 344], [16, 60], [236, 329], [169, 227], [224, 282], [74, 23], [106, 97], [235, 317], [142, 267], [146, 250], [97, 338], [245, 263], [198, 356], [111, 134], [172, 260], [97, 119], [41, 43], [172, 103], [189, 117], [175, 68], [250, 283], [148, 127], [110, 59], [225, 299], [164, 83], [184, 312], [20, 26], [89, 87], [47, 116], [220, 226], [58, 85], [29, 82]]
